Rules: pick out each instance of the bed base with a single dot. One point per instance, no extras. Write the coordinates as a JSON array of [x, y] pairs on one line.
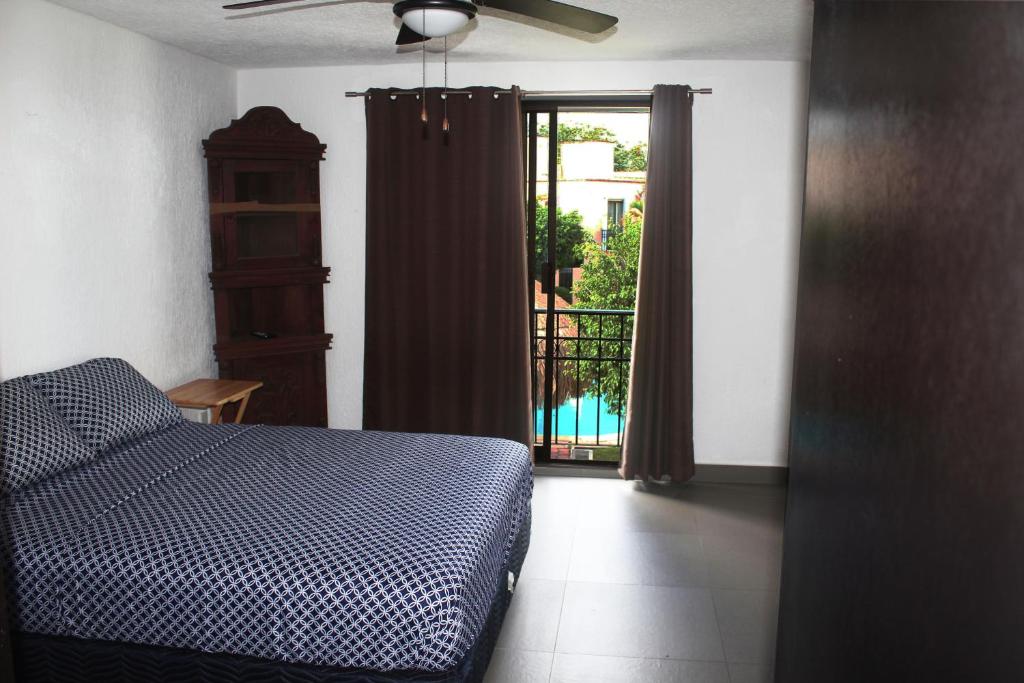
[[56, 659]]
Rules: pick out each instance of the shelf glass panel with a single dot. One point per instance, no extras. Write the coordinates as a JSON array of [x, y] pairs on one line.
[[265, 187], [267, 235]]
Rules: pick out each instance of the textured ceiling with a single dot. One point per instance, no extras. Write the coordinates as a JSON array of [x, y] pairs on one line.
[[327, 32]]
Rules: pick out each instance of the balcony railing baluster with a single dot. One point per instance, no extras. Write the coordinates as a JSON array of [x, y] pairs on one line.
[[556, 365], [618, 411], [592, 367], [600, 368], [579, 327]]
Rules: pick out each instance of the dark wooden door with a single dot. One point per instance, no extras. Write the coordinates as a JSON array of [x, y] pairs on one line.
[[904, 550]]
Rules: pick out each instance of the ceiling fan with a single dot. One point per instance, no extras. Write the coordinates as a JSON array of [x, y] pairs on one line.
[[426, 19]]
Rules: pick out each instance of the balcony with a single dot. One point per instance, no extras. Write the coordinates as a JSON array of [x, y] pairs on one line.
[[590, 353]]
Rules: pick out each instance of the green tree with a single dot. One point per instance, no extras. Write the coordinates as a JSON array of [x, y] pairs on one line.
[[583, 132], [636, 207], [570, 238], [630, 158], [608, 282]]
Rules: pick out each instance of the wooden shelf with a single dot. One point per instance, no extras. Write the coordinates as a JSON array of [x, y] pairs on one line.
[[266, 243], [217, 208], [249, 347], [269, 277]]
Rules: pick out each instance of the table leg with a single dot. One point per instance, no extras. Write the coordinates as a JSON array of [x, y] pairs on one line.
[[241, 408], [215, 417]]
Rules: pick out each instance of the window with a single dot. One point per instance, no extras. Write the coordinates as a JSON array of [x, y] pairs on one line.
[[616, 211]]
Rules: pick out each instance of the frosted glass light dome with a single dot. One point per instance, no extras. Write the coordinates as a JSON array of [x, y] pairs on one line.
[[435, 22]]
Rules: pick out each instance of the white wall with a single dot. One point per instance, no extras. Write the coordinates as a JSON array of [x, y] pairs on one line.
[[749, 139], [104, 239], [104, 246]]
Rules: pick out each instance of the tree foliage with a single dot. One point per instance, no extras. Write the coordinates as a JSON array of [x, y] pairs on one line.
[[609, 275], [571, 238], [630, 158], [583, 132], [608, 282]]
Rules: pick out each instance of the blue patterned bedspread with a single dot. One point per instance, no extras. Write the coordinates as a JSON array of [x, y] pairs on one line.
[[353, 549]]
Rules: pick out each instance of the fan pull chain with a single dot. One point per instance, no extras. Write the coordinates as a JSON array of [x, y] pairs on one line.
[[444, 124], [423, 99]]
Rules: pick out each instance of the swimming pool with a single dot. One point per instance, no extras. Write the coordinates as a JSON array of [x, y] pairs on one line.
[[590, 407]]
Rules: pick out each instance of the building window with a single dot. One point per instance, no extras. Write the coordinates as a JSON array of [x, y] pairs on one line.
[[616, 211]]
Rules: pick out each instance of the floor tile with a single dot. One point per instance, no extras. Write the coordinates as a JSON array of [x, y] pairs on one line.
[[657, 580], [636, 557], [532, 619], [744, 610], [750, 647], [736, 513], [750, 673], [747, 620], [652, 622], [624, 506], [519, 666], [556, 501], [569, 487], [585, 668], [549, 553], [745, 563]]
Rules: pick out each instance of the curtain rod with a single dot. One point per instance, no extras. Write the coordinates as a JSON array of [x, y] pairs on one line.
[[529, 94]]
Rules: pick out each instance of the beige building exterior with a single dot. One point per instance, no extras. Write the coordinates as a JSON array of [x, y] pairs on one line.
[[588, 183]]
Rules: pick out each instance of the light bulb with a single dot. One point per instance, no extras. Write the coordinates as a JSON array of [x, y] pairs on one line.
[[434, 22]]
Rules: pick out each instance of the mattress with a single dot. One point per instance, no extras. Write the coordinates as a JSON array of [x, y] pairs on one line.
[[365, 550]]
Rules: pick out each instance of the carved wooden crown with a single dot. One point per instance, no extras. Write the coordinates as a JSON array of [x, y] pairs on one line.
[[266, 132]]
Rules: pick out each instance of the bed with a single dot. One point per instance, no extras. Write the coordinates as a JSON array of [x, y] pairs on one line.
[[138, 546]]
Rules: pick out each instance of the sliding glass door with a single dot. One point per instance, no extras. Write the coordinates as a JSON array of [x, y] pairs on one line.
[[586, 174]]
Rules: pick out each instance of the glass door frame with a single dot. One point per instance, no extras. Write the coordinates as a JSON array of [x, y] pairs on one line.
[[532, 107]]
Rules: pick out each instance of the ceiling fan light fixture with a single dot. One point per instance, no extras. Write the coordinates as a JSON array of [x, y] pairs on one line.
[[435, 18], [434, 23]]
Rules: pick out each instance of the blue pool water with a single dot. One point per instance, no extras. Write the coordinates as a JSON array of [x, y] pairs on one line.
[[589, 408]]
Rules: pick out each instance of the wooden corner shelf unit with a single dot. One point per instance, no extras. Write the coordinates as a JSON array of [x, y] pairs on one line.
[[268, 278]]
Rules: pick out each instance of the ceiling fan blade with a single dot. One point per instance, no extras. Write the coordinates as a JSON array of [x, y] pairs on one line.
[[406, 36], [257, 3], [555, 12]]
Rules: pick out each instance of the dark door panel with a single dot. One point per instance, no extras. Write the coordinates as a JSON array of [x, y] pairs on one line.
[[904, 542]]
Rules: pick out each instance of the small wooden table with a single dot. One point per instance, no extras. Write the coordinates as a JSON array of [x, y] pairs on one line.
[[214, 394]]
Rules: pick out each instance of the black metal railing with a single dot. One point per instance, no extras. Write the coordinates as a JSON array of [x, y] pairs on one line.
[[590, 356]]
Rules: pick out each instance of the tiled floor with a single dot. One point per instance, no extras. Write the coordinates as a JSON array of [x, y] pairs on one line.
[[629, 586]]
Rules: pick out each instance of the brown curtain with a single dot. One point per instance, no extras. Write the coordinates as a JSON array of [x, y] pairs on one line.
[[658, 443], [447, 326]]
